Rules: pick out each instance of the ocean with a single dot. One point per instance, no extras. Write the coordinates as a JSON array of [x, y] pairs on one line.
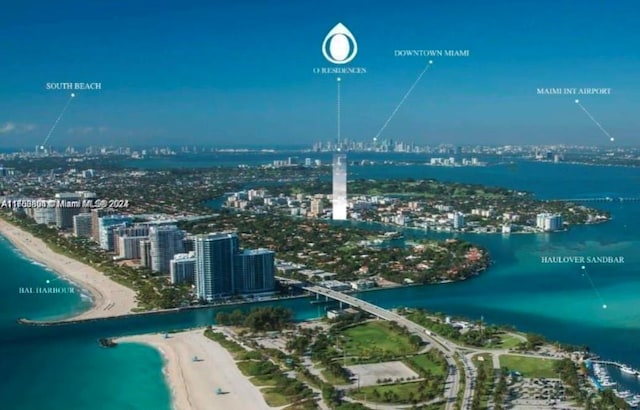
[[62, 367]]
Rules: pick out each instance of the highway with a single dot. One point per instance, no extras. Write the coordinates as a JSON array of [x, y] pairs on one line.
[[448, 349]]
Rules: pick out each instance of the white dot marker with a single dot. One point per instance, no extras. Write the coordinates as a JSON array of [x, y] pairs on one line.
[[612, 139], [604, 306], [73, 95], [48, 280], [577, 101], [41, 146], [338, 79], [583, 267], [430, 61]]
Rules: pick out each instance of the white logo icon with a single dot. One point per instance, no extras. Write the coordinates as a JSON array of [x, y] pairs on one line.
[[339, 46]]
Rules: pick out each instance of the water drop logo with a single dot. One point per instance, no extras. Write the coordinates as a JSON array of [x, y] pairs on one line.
[[339, 46]]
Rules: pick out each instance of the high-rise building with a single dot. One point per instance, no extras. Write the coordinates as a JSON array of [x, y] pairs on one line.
[[214, 264], [166, 241], [106, 226], [188, 244], [254, 271], [339, 187], [183, 268], [67, 205], [549, 222], [44, 215], [96, 214], [82, 225], [129, 246], [457, 220], [145, 253], [316, 206], [127, 239]]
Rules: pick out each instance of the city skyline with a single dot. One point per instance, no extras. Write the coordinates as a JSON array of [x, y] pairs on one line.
[[219, 74]]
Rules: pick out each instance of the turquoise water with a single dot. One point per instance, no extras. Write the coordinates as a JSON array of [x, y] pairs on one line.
[[62, 367]]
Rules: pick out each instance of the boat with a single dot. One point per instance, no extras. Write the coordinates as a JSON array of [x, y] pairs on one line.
[[628, 370], [607, 383]]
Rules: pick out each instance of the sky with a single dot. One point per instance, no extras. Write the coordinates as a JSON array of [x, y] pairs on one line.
[[224, 73]]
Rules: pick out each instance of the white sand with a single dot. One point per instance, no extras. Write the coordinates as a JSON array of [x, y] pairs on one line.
[[194, 384], [109, 298]]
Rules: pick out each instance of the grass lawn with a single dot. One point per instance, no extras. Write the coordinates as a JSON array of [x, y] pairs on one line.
[[274, 398], [404, 393], [508, 341], [529, 366], [376, 339], [331, 379], [267, 380], [424, 362], [255, 368], [304, 405], [486, 359]]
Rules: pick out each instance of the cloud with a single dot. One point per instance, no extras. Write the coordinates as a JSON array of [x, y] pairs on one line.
[[11, 127], [7, 127], [86, 130]]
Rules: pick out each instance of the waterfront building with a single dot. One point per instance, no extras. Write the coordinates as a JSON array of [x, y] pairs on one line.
[[96, 214], [254, 271], [166, 241], [188, 243], [549, 222], [339, 196], [457, 220], [127, 240], [82, 225], [215, 255], [44, 215], [129, 246], [145, 253], [67, 206], [106, 226], [182, 268]]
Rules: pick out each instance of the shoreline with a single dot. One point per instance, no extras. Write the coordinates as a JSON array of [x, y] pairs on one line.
[[193, 384], [108, 297]]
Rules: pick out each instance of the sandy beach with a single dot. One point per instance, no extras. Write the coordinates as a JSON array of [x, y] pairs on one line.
[[194, 383], [109, 298]]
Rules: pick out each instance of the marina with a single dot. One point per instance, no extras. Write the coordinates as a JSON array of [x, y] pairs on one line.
[[602, 380]]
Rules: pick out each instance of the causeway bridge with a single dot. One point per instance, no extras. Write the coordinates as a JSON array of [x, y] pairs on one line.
[[600, 199]]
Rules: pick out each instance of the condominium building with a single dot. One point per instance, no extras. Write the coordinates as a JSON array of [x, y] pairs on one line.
[[82, 225], [214, 264], [254, 271], [182, 269], [549, 222], [166, 241]]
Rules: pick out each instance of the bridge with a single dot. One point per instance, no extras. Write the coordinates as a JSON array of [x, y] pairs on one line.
[[600, 199], [447, 348]]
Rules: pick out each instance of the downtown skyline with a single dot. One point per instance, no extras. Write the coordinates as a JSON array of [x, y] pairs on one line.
[[208, 74]]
